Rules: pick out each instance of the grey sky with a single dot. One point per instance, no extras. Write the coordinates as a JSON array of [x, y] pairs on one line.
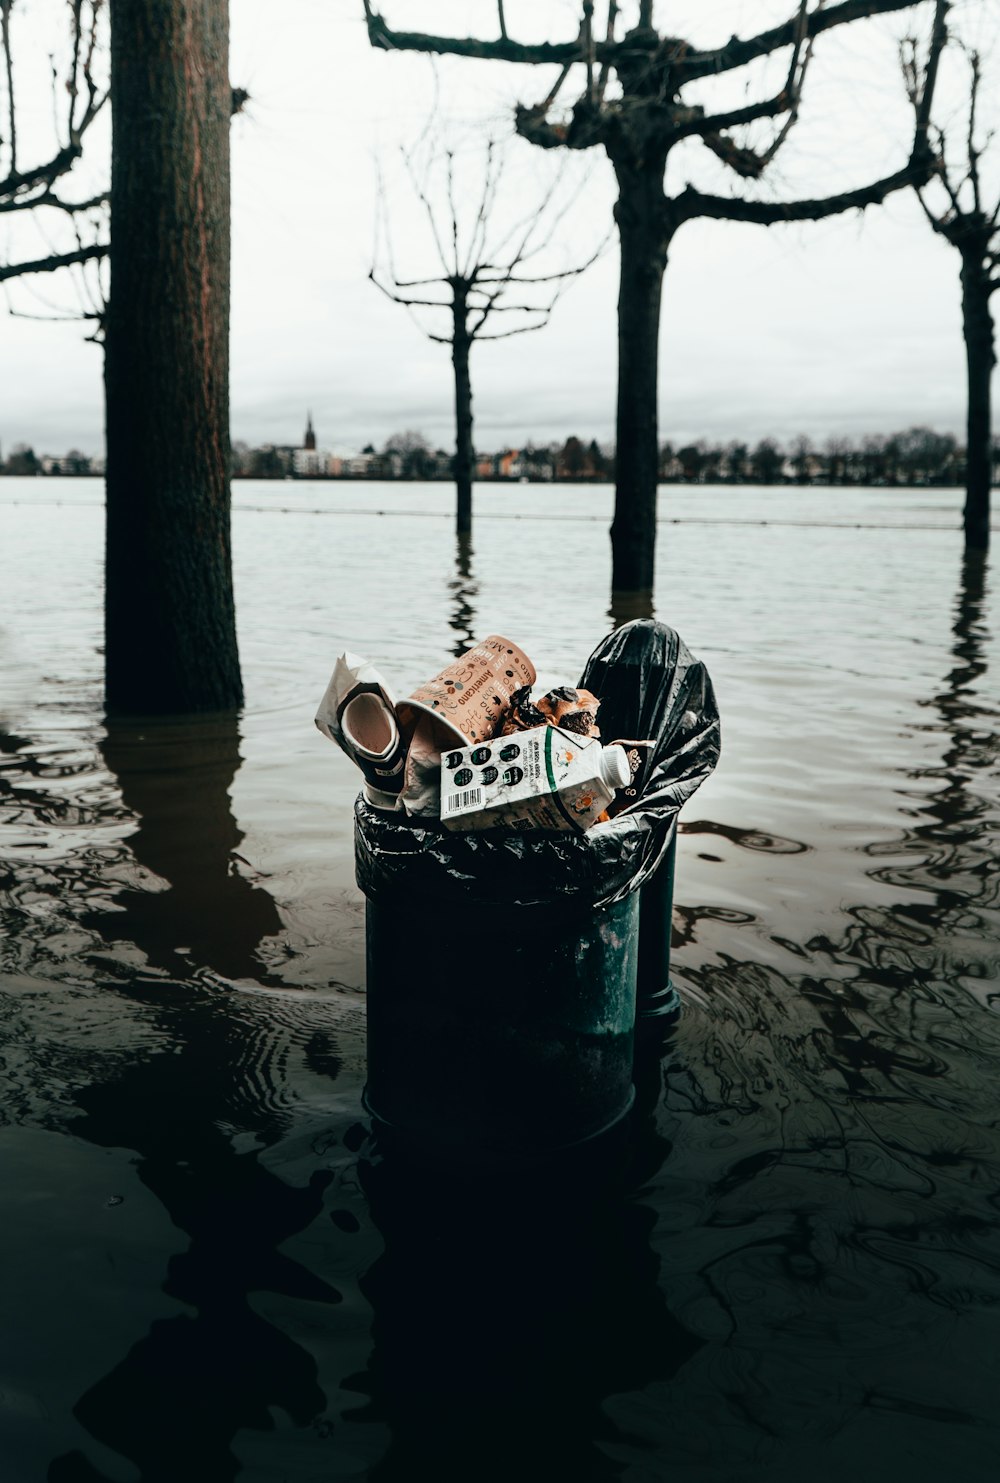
[[849, 326]]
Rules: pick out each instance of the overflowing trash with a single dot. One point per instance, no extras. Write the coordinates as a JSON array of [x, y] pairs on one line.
[[473, 748], [651, 688]]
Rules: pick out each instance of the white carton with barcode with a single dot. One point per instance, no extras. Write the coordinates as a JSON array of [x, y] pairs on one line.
[[545, 778]]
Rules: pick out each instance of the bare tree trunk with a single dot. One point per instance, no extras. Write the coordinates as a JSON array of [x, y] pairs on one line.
[[170, 622], [980, 356], [641, 216], [464, 455]]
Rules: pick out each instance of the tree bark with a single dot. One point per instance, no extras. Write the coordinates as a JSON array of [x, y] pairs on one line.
[[170, 624], [642, 225], [980, 357], [464, 454]]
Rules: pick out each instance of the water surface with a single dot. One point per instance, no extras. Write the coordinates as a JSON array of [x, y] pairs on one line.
[[798, 1269]]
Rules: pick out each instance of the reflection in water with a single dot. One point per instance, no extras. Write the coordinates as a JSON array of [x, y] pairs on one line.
[[747, 839], [211, 1075], [626, 606], [864, 1092], [176, 777], [464, 590], [177, 1399], [505, 1312]]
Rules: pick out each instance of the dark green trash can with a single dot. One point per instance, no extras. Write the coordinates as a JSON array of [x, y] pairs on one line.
[[506, 1027], [504, 967]]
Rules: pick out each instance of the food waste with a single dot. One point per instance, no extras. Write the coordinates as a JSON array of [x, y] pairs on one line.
[[474, 748]]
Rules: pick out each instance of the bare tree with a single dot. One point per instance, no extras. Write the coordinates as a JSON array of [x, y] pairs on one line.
[[36, 182], [972, 226], [169, 613], [486, 275], [638, 124]]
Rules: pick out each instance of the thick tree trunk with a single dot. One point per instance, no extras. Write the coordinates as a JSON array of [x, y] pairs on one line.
[[170, 623], [464, 453], [980, 356], [641, 216]]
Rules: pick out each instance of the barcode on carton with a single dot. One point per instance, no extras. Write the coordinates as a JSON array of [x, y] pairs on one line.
[[470, 798]]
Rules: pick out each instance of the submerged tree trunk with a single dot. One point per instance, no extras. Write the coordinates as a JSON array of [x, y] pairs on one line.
[[464, 455], [980, 356], [641, 216], [170, 623]]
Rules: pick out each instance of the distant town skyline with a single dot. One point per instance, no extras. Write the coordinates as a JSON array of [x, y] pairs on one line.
[[844, 328]]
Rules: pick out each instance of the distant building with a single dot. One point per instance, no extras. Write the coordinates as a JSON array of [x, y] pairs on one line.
[[510, 464], [308, 462]]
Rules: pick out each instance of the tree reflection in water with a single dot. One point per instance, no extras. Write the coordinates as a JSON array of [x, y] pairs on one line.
[[852, 1217], [179, 1396], [464, 589], [175, 778]]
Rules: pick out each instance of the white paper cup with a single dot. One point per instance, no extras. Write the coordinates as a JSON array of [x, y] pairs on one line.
[[469, 698]]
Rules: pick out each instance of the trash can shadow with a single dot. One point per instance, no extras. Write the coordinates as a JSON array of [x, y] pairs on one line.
[[506, 969]]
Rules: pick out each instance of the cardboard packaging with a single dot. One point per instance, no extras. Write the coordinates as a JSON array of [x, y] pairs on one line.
[[545, 778], [358, 713]]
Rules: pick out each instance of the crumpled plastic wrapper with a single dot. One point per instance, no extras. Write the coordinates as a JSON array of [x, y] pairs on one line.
[[649, 686]]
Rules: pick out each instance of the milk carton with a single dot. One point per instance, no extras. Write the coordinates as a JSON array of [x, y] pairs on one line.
[[545, 778]]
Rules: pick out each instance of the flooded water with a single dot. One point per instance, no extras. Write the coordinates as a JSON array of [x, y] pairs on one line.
[[796, 1269]]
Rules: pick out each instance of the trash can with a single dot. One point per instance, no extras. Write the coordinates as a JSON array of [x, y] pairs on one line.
[[504, 966]]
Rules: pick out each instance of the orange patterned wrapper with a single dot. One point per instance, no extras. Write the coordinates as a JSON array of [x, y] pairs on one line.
[[471, 696]]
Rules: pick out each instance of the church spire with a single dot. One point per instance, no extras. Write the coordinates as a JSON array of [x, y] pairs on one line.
[[310, 439]]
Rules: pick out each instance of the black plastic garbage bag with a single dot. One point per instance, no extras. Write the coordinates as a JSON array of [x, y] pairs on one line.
[[651, 688]]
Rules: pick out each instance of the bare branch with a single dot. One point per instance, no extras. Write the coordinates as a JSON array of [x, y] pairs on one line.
[[793, 112], [73, 84], [523, 329], [415, 282], [691, 203], [502, 21], [711, 123], [935, 221], [939, 35], [424, 199], [602, 80], [5, 6], [737, 53], [406, 301], [51, 264], [55, 318], [504, 50], [41, 175], [49, 199], [452, 209], [491, 180], [541, 109], [971, 137], [513, 277], [941, 172]]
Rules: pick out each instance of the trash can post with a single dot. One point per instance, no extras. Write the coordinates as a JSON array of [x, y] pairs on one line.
[[656, 995]]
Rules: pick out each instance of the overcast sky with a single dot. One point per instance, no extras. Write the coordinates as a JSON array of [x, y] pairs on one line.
[[846, 327]]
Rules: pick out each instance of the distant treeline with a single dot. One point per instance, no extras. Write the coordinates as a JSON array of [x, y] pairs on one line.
[[917, 456]]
